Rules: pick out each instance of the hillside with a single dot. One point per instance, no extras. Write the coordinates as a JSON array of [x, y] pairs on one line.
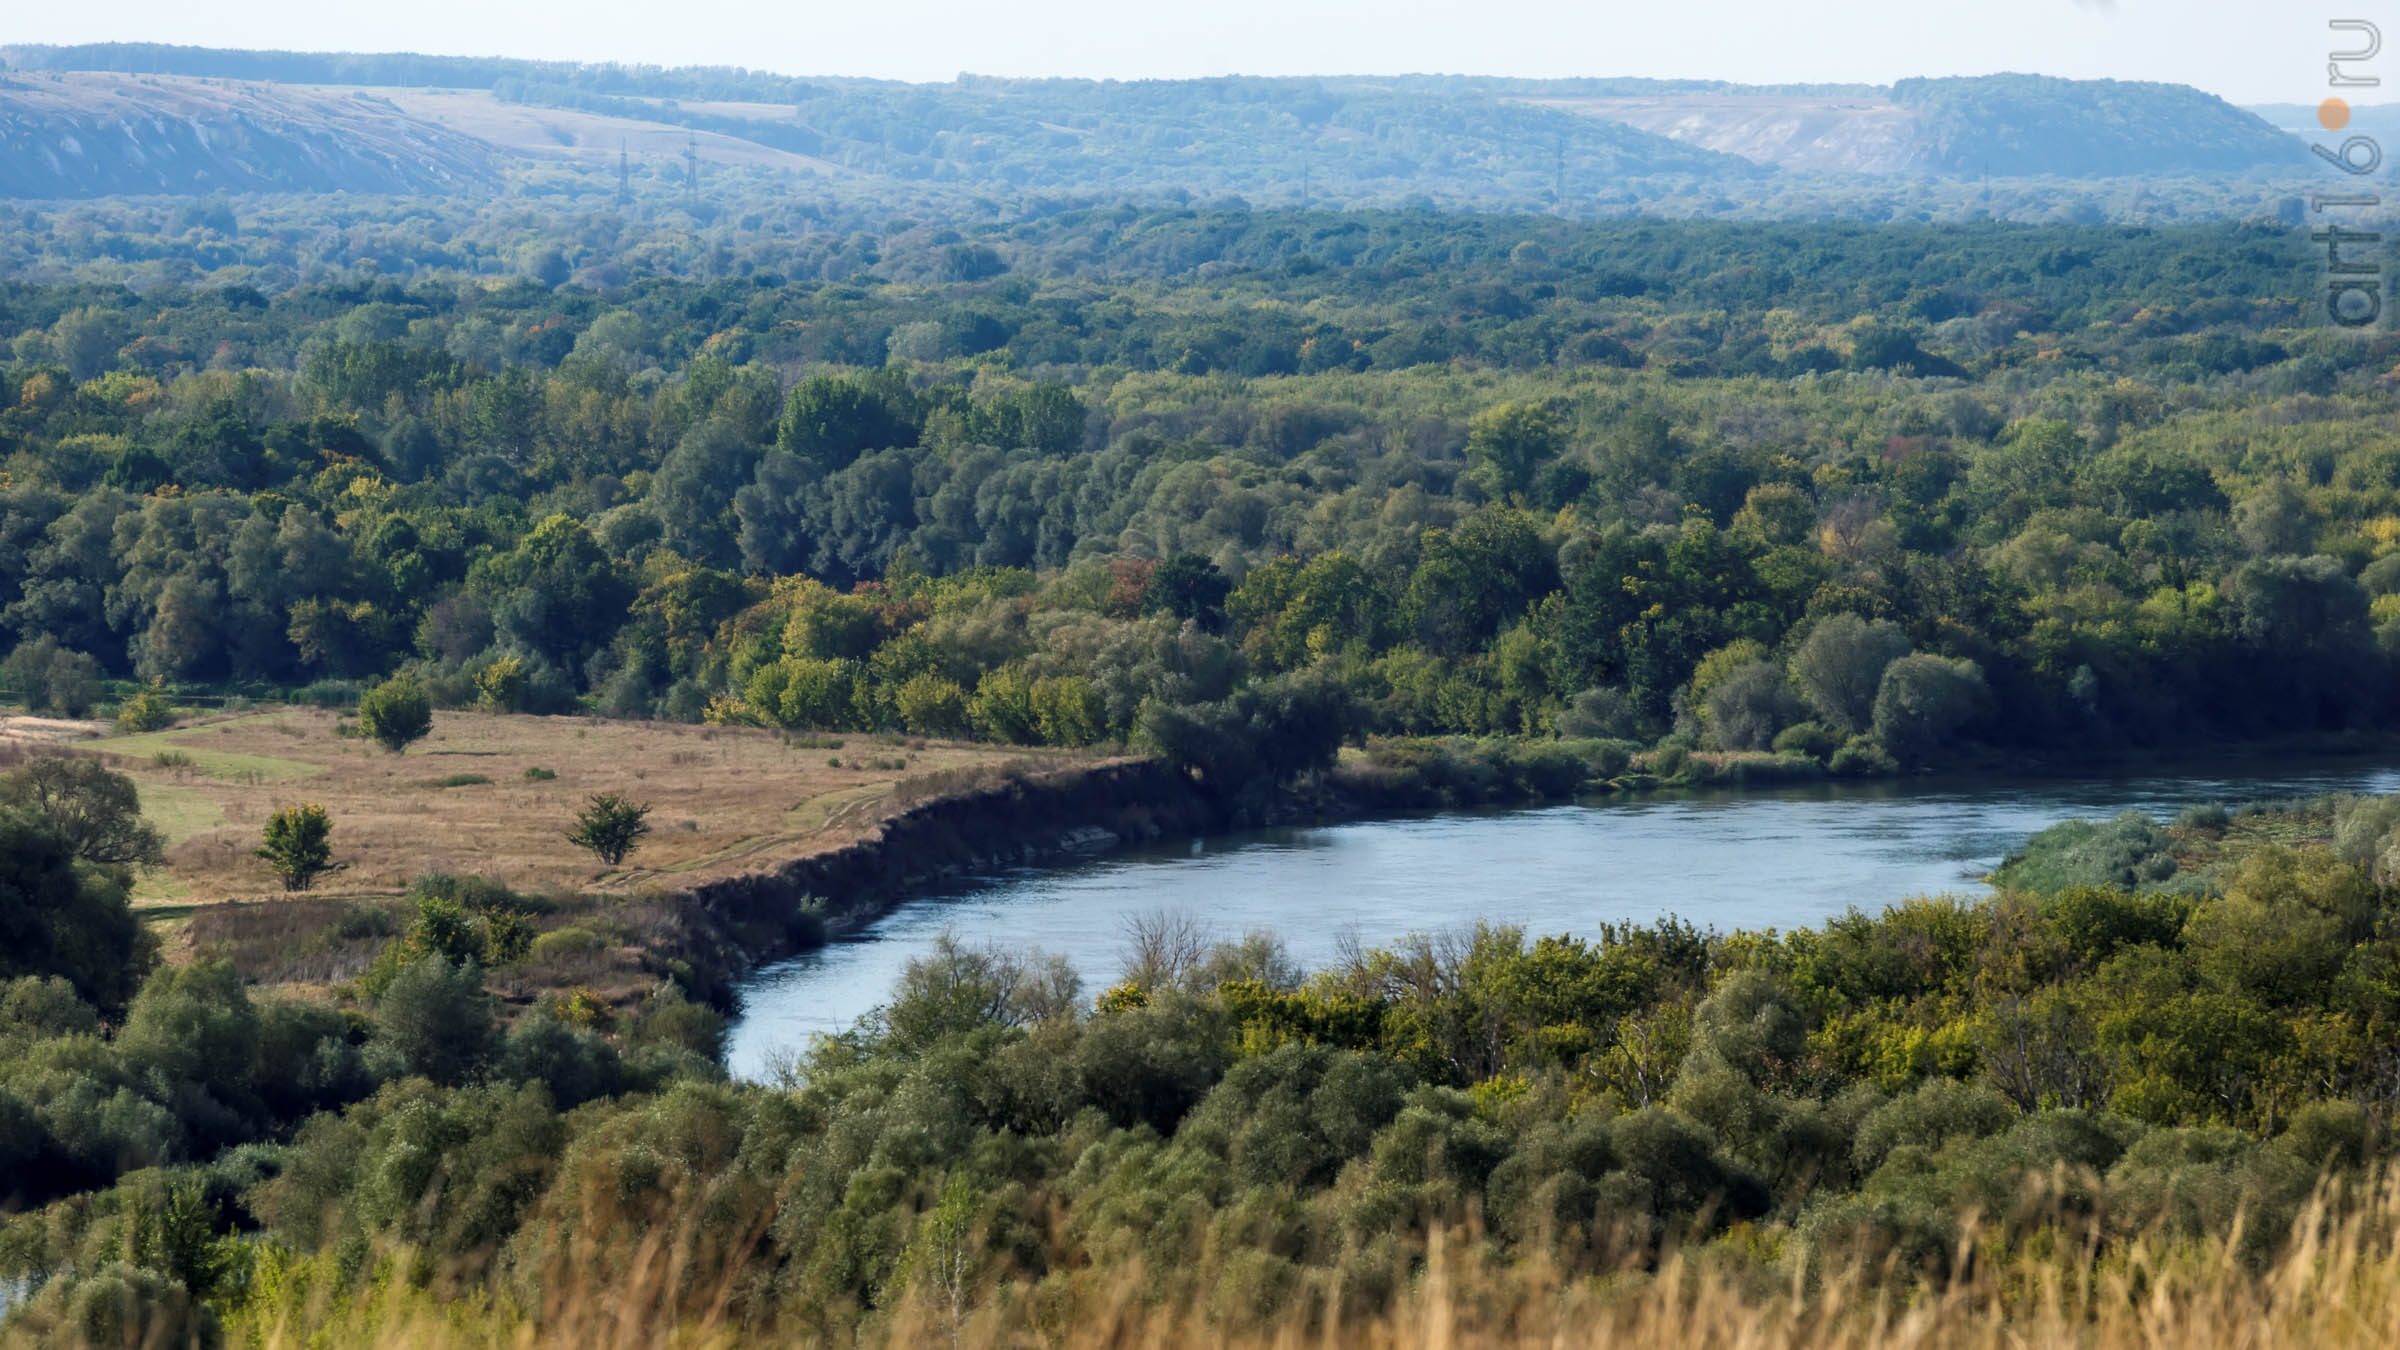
[[128, 119], [1342, 143], [93, 135], [2009, 125], [1856, 133], [2002, 126]]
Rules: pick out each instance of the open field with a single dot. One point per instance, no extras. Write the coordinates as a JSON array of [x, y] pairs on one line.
[[723, 799]]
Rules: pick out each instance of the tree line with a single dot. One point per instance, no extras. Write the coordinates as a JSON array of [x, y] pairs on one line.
[[1024, 509]]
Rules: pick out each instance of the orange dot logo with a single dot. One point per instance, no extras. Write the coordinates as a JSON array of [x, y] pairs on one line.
[[2334, 114]]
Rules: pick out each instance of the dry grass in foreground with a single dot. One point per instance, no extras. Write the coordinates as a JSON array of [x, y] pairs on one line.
[[723, 799], [2337, 1288]]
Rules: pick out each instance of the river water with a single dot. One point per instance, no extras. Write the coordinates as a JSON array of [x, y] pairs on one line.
[[1757, 859]]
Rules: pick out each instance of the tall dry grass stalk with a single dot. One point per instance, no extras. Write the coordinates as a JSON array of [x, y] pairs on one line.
[[2336, 1287]]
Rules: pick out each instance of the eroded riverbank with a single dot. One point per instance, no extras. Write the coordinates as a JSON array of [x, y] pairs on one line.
[[1759, 858]]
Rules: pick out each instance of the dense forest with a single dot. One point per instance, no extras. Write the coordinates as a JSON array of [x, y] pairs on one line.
[[1787, 487]]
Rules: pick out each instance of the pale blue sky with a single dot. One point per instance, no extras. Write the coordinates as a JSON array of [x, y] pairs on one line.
[[2247, 50]]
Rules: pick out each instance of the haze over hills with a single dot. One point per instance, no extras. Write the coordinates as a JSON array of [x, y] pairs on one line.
[[153, 119]]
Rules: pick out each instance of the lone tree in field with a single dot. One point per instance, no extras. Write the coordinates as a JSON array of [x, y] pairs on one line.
[[610, 827], [395, 713], [298, 845]]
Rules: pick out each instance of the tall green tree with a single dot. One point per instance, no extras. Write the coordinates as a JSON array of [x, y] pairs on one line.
[[97, 813], [61, 917]]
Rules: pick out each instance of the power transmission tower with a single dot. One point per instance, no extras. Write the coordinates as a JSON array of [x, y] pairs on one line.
[[624, 176], [1558, 186], [691, 169]]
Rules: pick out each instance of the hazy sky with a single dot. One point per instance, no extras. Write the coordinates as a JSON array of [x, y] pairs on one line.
[[2247, 50]]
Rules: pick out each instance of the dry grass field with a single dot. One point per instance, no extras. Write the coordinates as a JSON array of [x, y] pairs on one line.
[[722, 799]]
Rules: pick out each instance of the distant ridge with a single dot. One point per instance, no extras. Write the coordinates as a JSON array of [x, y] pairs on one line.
[[2007, 126], [149, 118]]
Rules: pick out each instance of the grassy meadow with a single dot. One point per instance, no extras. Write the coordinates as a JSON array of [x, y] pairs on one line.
[[490, 796], [494, 795]]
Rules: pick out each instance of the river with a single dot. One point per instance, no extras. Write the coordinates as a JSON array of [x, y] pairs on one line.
[[1755, 859]]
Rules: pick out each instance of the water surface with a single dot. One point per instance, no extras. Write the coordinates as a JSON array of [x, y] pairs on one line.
[[1773, 859]]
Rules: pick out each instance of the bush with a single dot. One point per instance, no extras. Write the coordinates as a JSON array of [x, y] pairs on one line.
[[1602, 759], [297, 844], [1670, 759], [1923, 702], [436, 1020], [684, 701], [395, 713], [574, 1063], [540, 775], [1862, 757], [1813, 739], [119, 1303], [1760, 770], [2205, 817], [2129, 849], [1601, 713], [1941, 1109], [1265, 734], [667, 1018], [567, 942], [459, 919], [610, 826], [501, 685], [148, 710]]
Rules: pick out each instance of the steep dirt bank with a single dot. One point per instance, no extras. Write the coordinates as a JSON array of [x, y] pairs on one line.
[[719, 931]]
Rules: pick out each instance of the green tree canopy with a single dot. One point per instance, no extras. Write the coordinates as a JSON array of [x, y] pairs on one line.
[[60, 917], [96, 812]]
